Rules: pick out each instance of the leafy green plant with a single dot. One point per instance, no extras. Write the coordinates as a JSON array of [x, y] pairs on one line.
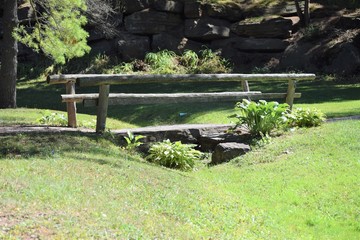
[[174, 155], [300, 117], [53, 118], [260, 118], [133, 141]]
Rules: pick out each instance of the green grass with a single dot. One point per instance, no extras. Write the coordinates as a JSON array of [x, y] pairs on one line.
[[304, 185], [29, 116]]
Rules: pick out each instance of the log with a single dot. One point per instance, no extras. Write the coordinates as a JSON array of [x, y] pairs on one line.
[[71, 105], [61, 79], [90, 100], [109, 79], [102, 108], [291, 93]]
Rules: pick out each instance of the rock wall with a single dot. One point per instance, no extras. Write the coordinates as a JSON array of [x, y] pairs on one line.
[[241, 34]]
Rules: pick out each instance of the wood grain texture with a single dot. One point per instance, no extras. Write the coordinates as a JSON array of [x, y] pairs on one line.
[[103, 103], [71, 105], [90, 100], [114, 79]]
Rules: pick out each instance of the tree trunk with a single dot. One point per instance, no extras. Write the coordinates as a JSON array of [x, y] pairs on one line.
[[8, 71], [304, 16], [299, 12], [307, 13]]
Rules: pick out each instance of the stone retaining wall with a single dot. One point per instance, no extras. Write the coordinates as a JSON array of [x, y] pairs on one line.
[[242, 34]]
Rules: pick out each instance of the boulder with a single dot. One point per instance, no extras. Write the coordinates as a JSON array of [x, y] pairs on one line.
[[208, 142], [261, 45], [224, 152], [131, 46], [104, 30], [284, 9], [151, 22], [230, 12], [206, 28], [186, 133], [193, 9], [95, 35], [345, 59], [272, 28], [300, 56], [132, 6], [168, 6], [246, 62], [348, 22], [103, 47], [177, 44]]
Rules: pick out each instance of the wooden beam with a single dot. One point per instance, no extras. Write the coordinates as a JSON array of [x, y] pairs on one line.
[[182, 78], [291, 93], [71, 105], [102, 108], [143, 99], [110, 79], [61, 79]]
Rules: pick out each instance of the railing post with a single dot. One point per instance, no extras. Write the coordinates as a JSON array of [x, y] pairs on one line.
[[291, 93], [102, 108], [71, 106], [245, 85]]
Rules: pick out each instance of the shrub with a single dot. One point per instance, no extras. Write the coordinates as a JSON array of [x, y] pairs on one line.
[[306, 118], [174, 155], [260, 118]]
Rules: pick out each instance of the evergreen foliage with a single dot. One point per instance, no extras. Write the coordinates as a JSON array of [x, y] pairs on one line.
[[57, 31]]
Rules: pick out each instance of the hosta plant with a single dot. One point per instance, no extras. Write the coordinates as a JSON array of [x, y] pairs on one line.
[[300, 117], [174, 155], [53, 118], [133, 141], [262, 117]]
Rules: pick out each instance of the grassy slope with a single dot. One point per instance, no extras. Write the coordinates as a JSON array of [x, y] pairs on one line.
[[305, 185]]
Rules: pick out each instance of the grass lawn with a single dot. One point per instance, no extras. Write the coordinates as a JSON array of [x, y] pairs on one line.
[[304, 185]]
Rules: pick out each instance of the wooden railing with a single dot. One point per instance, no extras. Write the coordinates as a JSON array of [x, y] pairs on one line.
[[104, 98]]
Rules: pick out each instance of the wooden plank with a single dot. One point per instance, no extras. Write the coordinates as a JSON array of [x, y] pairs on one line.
[[71, 106], [182, 78], [61, 79], [79, 97], [143, 99], [291, 93], [102, 108], [110, 79]]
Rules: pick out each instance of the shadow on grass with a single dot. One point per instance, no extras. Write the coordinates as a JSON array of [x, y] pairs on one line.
[[28, 145]]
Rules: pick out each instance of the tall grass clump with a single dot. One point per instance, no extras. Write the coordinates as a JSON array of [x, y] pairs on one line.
[[168, 62], [163, 62]]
